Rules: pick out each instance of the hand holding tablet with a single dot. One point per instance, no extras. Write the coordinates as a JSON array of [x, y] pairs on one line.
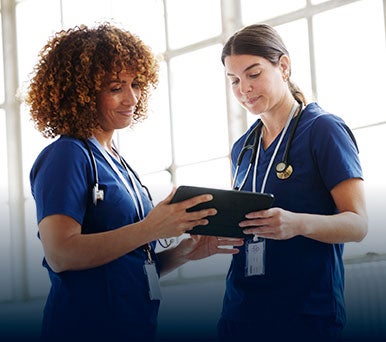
[[231, 205]]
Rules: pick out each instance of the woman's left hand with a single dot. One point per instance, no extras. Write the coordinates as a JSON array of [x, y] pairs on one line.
[[274, 223], [201, 246], [196, 247]]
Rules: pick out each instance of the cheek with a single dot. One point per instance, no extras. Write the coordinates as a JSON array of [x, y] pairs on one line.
[[273, 87], [138, 94], [236, 92], [107, 104]]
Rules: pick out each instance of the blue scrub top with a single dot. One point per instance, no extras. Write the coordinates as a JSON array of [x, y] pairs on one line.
[[110, 301], [302, 276]]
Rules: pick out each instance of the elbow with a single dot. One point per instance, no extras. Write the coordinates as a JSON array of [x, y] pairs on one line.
[[362, 230], [362, 234], [56, 267], [57, 263]]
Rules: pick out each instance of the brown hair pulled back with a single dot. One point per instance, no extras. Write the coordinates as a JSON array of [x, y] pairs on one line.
[[260, 40]]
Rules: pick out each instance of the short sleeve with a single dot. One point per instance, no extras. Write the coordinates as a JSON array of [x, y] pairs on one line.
[[335, 150], [59, 180]]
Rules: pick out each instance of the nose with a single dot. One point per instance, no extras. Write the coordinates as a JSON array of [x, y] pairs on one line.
[[131, 96], [245, 87]]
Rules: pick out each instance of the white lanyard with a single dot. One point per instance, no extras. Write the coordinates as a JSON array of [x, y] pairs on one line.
[[295, 105], [137, 199]]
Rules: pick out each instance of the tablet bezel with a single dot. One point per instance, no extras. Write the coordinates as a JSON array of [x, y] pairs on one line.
[[231, 205]]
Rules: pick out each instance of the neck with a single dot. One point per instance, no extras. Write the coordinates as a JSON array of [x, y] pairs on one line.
[[274, 122], [106, 141]]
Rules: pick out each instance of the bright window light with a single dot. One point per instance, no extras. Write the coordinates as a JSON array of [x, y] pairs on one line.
[[192, 21], [257, 11], [198, 106], [350, 74]]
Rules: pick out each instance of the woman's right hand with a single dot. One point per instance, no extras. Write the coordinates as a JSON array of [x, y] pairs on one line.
[[172, 219]]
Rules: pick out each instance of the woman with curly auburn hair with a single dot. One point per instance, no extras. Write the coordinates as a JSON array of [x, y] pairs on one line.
[[96, 220]]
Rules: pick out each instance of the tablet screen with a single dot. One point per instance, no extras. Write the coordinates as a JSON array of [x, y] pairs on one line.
[[231, 205]]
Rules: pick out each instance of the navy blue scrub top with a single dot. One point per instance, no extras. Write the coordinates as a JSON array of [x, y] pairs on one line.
[[302, 276], [106, 300]]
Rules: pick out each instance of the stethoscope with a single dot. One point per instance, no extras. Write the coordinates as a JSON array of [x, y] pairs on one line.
[[97, 193], [283, 169]]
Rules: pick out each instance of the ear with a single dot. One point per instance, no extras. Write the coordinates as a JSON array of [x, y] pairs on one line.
[[285, 67]]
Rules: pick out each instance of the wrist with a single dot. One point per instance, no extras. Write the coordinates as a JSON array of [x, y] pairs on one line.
[[183, 250]]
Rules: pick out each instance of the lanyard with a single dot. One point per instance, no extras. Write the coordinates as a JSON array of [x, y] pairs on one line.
[[136, 196], [295, 105]]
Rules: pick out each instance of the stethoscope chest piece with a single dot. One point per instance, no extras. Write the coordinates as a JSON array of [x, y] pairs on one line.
[[97, 194], [283, 171]]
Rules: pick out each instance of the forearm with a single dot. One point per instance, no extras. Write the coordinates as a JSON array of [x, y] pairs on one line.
[[172, 258], [66, 248], [350, 224], [339, 228], [82, 251]]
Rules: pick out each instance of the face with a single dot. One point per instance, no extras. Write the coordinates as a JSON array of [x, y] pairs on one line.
[[257, 84], [117, 101]]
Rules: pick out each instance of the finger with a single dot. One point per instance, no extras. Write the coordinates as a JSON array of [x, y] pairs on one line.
[[259, 231], [196, 215], [254, 232], [230, 239], [227, 251], [170, 196], [253, 223], [192, 202], [230, 242], [258, 214], [192, 224], [195, 237]]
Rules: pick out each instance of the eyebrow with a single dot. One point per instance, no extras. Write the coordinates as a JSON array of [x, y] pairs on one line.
[[246, 69], [117, 80]]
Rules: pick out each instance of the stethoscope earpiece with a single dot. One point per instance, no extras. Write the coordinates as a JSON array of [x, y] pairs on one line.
[[283, 171]]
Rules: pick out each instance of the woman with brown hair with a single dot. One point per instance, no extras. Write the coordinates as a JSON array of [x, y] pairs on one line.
[[287, 283]]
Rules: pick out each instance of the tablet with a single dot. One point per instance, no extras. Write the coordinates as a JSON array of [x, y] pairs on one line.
[[231, 205]]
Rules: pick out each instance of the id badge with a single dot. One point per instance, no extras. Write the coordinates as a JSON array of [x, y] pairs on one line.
[[255, 257], [153, 281]]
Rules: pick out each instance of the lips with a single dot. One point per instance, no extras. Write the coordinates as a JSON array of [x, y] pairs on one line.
[[251, 100], [127, 113]]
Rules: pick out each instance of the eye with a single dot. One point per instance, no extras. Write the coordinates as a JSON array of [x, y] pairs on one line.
[[116, 89], [234, 81], [136, 85], [255, 75]]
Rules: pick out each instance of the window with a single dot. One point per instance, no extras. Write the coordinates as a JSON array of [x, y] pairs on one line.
[[198, 106], [192, 21], [371, 140], [349, 73], [259, 11], [187, 136], [5, 237], [1, 69]]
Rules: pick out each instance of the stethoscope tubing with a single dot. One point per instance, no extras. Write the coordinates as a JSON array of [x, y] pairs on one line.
[[93, 163], [123, 162], [285, 157], [255, 146]]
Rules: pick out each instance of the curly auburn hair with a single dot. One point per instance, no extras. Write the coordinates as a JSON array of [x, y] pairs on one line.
[[74, 66]]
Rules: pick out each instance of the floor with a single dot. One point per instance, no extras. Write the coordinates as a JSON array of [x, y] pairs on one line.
[[193, 317]]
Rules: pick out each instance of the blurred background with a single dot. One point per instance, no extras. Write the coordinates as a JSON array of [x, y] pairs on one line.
[[338, 51]]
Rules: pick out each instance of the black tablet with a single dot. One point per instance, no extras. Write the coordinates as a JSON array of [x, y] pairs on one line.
[[231, 205]]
